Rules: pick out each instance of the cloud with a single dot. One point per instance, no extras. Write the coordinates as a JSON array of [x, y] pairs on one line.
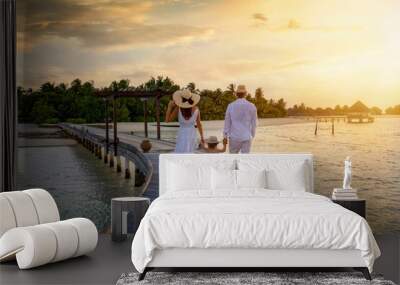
[[294, 24], [102, 24], [260, 17], [259, 20], [296, 63]]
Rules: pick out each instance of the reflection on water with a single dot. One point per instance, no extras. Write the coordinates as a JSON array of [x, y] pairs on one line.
[[374, 149], [81, 184]]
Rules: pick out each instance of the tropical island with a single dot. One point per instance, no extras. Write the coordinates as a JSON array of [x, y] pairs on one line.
[[75, 103]]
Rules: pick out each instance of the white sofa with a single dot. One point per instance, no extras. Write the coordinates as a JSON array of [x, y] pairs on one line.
[[31, 230]]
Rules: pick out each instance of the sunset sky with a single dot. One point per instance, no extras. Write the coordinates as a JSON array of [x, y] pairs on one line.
[[320, 52]]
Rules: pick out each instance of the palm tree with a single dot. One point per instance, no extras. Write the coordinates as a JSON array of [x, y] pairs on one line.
[[231, 88], [191, 86]]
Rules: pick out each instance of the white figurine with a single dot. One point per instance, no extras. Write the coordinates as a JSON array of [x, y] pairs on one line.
[[347, 173]]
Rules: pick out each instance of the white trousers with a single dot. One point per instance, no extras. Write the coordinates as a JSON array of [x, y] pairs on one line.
[[239, 146]]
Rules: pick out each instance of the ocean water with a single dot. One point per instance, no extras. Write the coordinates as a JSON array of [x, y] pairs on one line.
[[83, 186], [375, 153], [374, 150]]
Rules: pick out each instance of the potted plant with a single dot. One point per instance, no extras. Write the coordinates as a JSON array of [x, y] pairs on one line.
[[145, 145]]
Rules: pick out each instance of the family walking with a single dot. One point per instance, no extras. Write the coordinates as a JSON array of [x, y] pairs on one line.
[[239, 127]]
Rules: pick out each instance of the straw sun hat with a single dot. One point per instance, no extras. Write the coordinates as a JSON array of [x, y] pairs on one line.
[[185, 99], [241, 89], [212, 140]]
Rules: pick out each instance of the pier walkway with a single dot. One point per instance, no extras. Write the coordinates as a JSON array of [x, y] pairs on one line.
[[157, 145], [126, 157]]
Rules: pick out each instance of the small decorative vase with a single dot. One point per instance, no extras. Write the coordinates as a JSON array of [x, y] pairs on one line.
[[145, 145]]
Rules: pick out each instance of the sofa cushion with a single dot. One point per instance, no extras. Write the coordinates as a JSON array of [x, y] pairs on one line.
[[46, 207], [23, 208], [41, 244], [7, 220]]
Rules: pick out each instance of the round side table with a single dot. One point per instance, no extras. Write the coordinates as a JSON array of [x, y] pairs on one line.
[[126, 214]]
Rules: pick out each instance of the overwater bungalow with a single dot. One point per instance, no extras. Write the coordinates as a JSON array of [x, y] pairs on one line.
[[359, 113]]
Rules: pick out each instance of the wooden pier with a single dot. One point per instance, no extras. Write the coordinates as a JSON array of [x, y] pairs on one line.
[[360, 118], [128, 160], [350, 119], [327, 119]]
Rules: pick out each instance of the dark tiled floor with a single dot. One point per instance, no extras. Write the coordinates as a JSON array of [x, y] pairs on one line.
[[389, 262], [103, 266], [110, 260]]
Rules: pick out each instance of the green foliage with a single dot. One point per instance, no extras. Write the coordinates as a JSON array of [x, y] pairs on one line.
[[52, 121], [376, 111], [268, 108], [76, 104], [76, 121], [393, 110], [42, 112], [60, 103], [303, 110]]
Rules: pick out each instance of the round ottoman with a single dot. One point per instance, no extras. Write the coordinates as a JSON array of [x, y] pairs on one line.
[[126, 214]]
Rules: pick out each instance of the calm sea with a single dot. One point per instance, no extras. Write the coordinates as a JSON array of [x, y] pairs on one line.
[[83, 186], [374, 150]]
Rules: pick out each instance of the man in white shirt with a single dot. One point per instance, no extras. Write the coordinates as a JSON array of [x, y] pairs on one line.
[[240, 122]]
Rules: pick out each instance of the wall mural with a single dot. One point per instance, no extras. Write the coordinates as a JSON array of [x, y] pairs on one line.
[[323, 76]]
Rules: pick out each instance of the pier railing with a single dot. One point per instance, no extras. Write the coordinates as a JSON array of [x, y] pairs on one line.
[[132, 157]]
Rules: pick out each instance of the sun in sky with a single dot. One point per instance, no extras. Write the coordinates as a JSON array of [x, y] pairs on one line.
[[321, 53]]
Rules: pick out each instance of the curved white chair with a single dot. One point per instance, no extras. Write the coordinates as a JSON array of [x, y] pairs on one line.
[[31, 230]]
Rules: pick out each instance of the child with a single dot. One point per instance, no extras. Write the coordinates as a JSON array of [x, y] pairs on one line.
[[211, 144]]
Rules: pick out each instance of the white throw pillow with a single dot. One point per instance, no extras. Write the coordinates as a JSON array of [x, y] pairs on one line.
[[183, 177], [223, 179], [291, 178], [282, 174], [251, 178]]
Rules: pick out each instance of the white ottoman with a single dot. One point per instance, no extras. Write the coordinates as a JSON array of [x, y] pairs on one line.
[[31, 232]]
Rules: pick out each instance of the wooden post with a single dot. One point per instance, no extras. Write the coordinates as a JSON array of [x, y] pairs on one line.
[[111, 158], [316, 127], [107, 134], [115, 131], [102, 152], [333, 126], [146, 134], [127, 170], [118, 162], [99, 151], [158, 117]]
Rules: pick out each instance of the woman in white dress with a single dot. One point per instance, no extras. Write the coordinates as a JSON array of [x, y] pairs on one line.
[[184, 107]]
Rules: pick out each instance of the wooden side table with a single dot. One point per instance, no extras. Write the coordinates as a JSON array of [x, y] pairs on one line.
[[358, 206], [126, 214]]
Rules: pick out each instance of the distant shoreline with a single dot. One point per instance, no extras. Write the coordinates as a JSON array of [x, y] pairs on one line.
[[261, 121], [138, 126]]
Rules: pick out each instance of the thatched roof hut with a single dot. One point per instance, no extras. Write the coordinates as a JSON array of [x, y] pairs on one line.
[[359, 107], [359, 113]]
